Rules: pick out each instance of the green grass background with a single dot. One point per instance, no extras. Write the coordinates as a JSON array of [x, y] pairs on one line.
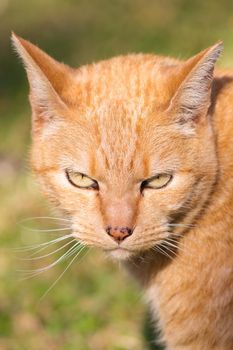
[[95, 305]]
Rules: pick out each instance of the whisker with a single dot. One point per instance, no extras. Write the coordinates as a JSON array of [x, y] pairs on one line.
[[46, 230], [43, 217], [164, 245], [160, 250], [86, 226], [187, 237], [62, 274], [91, 240], [181, 225], [173, 243], [175, 240], [46, 255], [61, 258], [34, 273], [140, 242], [34, 246], [45, 247]]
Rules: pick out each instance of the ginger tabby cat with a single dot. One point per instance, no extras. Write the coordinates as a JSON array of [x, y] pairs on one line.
[[137, 151]]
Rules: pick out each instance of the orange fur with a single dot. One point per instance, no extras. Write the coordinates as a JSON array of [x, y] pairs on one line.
[[122, 121]]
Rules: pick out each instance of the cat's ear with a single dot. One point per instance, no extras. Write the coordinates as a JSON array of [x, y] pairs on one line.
[[47, 79], [192, 98]]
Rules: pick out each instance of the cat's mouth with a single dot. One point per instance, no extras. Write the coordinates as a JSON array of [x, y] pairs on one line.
[[119, 253]]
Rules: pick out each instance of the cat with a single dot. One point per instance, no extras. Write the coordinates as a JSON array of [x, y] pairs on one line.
[[137, 150]]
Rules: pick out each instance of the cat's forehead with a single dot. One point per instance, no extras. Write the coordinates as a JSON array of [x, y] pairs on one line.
[[120, 140], [115, 129], [133, 77], [123, 132], [121, 101]]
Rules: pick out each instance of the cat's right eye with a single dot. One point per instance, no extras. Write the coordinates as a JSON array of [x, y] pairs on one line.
[[156, 182], [81, 180]]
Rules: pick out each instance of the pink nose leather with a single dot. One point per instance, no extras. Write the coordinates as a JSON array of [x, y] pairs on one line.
[[119, 233]]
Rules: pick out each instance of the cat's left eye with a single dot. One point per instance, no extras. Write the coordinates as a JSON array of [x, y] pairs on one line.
[[81, 180], [157, 181]]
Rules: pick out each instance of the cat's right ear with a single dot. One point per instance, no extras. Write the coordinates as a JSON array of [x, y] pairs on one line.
[[48, 80], [191, 102]]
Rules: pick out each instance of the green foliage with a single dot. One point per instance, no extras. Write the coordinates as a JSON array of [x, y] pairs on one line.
[[94, 306]]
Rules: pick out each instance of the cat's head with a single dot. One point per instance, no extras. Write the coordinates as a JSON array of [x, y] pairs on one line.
[[125, 146]]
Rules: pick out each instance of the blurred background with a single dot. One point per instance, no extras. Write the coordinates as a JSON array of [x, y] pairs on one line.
[[94, 305]]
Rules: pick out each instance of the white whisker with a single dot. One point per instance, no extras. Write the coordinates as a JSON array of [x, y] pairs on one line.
[[45, 268], [34, 246], [158, 248], [46, 230], [164, 245], [44, 217], [181, 225], [70, 263], [187, 237], [46, 255], [33, 273], [177, 246]]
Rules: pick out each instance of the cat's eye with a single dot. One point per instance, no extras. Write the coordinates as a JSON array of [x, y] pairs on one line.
[[80, 180], [157, 181]]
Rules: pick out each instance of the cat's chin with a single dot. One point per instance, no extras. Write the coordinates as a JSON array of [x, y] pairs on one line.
[[119, 253]]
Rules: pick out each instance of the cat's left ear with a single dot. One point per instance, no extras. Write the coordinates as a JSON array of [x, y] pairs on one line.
[[49, 82], [192, 98]]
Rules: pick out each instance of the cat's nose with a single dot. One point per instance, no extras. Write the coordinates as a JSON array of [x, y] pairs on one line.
[[119, 233]]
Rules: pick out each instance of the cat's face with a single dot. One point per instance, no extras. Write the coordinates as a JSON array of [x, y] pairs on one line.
[[124, 147]]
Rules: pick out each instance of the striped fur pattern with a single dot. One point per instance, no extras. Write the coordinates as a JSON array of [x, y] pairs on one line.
[[121, 122]]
